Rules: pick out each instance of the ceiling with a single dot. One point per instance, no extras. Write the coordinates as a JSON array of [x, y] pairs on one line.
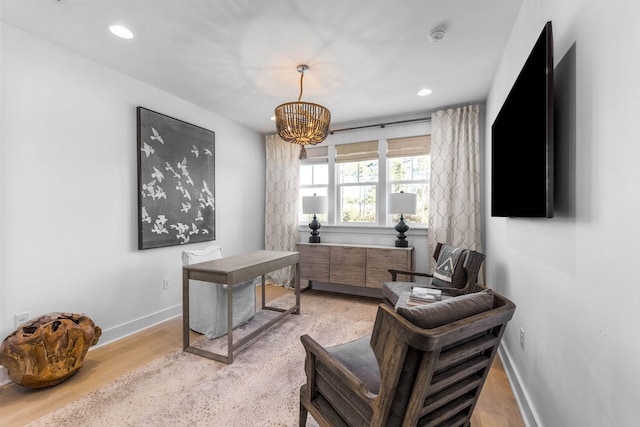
[[238, 58]]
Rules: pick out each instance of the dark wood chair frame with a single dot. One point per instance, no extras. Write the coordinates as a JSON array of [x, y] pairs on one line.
[[472, 267], [454, 361]]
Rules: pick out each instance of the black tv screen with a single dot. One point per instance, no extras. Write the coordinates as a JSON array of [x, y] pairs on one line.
[[522, 139]]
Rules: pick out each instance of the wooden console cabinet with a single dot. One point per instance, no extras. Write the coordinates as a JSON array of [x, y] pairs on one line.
[[352, 269]]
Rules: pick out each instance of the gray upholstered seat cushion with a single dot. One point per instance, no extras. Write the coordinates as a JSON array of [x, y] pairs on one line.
[[392, 290], [440, 313]]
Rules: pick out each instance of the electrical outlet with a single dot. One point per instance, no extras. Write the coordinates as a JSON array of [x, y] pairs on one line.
[[522, 338], [22, 318], [165, 284]]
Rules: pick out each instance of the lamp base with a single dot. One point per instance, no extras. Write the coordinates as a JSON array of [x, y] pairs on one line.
[[401, 228], [401, 243], [315, 234]]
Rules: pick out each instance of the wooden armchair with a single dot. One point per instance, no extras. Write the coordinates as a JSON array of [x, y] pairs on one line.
[[462, 280], [405, 374]]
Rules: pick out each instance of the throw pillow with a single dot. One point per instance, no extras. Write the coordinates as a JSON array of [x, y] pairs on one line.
[[440, 313], [450, 271]]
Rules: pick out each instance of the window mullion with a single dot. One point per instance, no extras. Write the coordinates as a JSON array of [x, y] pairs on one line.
[[382, 183], [331, 186]]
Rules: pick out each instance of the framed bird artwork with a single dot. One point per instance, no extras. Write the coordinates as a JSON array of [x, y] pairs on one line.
[[176, 181]]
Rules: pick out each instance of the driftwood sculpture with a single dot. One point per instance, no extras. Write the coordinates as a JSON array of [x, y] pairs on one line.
[[49, 349]]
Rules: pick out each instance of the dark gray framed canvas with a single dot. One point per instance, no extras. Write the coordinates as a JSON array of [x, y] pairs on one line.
[[176, 181]]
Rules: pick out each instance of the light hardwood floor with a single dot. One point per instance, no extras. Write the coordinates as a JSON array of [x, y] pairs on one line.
[[19, 406]]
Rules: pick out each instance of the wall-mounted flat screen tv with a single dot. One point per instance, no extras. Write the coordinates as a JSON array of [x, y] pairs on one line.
[[522, 139]]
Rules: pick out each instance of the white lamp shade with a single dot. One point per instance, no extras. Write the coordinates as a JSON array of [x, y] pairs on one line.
[[402, 203], [315, 205]]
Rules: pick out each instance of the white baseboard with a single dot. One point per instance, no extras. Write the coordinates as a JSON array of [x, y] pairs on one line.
[[529, 415], [118, 332], [124, 330]]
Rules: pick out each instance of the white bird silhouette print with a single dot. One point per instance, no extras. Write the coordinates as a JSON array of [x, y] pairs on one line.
[[145, 216], [208, 152], [157, 174], [159, 193], [171, 169], [183, 166], [156, 136], [149, 188], [195, 151], [180, 227], [159, 227], [147, 149]]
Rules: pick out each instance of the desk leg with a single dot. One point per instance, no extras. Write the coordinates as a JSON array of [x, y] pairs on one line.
[[230, 323], [297, 288], [185, 309], [264, 285]]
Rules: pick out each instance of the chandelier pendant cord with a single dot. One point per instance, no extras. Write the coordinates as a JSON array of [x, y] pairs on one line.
[[301, 77]]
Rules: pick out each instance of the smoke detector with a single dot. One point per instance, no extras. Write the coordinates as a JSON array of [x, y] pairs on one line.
[[436, 35]]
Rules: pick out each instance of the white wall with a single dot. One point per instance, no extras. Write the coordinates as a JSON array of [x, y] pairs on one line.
[[68, 190], [573, 277]]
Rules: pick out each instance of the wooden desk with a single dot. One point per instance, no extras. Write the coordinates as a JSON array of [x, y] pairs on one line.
[[231, 271]]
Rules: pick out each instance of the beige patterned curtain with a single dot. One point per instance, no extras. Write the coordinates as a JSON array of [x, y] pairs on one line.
[[281, 203], [454, 199]]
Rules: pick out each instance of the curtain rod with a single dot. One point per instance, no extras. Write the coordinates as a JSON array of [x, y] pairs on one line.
[[382, 125]]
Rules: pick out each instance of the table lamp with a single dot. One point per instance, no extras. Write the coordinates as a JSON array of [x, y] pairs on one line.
[[402, 203], [314, 205]]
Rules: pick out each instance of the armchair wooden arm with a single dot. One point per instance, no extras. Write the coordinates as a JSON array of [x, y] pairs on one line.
[[326, 377], [412, 274], [316, 353], [394, 274]]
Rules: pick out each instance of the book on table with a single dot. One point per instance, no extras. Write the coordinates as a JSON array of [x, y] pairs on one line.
[[419, 294]]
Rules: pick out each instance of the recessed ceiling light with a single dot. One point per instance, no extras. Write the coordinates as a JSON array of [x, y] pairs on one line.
[[121, 31], [424, 92]]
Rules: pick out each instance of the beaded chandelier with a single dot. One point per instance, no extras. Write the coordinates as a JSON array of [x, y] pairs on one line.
[[302, 123]]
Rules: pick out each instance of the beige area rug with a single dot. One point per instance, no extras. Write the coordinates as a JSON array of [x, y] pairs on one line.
[[260, 388]]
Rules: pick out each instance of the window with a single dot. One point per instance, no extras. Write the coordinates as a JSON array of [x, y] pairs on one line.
[[409, 168], [357, 189], [357, 176], [314, 179]]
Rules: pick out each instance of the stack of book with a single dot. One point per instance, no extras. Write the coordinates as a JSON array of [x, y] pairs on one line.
[[422, 295]]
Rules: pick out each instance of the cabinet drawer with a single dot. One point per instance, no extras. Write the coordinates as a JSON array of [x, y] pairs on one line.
[[314, 262], [347, 265], [381, 260]]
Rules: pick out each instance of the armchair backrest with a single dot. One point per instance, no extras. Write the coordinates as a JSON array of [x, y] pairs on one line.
[[434, 376]]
